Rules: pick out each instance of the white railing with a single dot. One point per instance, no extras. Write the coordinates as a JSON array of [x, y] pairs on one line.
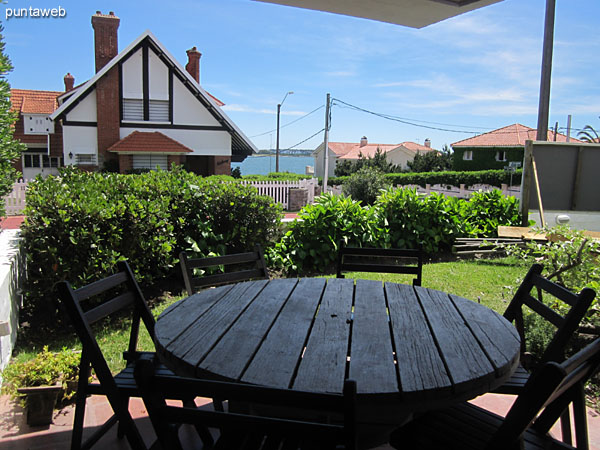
[[15, 201], [464, 192], [279, 190]]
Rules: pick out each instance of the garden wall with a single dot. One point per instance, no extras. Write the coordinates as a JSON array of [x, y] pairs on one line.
[[12, 273]]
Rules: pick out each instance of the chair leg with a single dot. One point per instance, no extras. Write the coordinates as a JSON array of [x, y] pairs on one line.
[[580, 419], [202, 430], [120, 427], [565, 427], [77, 433]]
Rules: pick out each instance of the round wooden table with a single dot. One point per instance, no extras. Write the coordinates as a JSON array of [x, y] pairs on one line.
[[410, 347]]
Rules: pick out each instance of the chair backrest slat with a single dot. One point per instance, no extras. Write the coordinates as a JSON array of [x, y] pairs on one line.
[[106, 309], [549, 390], [380, 260], [100, 286], [156, 388], [237, 268], [566, 325]]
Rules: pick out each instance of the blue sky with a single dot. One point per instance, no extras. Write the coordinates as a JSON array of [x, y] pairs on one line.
[[473, 73]]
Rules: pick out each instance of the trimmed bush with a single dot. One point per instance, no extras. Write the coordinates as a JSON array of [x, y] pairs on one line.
[[491, 177], [312, 242], [80, 224], [365, 185]]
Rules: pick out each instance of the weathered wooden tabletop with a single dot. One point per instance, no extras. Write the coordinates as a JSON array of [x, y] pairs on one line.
[[413, 346]]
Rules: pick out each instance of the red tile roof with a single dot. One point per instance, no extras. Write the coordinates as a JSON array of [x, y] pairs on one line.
[[350, 150], [511, 136], [28, 101], [148, 142]]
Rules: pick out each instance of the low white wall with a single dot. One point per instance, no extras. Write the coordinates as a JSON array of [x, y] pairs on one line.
[[579, 220], [12, 275]]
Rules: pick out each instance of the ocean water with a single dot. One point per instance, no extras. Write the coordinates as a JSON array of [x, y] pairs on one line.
[[262, 165]]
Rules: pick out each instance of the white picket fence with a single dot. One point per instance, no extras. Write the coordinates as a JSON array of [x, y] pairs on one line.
[[277, 190], [15, 201]]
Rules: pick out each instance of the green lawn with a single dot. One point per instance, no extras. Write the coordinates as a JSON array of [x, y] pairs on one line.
[[487, 281]]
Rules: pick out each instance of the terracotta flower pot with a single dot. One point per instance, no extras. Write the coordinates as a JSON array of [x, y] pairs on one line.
[[39, 403]]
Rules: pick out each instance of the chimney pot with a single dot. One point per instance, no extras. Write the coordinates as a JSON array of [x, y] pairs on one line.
[[427, 143], [363, 141], [69, 82], [193, 64]]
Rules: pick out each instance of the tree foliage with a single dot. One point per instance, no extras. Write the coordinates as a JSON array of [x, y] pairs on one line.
[[10, 149], [432, 161], [378, 162]]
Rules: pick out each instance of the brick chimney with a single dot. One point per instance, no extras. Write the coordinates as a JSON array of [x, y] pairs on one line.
[[69, 82], [363, 141], [193, 64], [107, 87], [427, 143], [105, 37]]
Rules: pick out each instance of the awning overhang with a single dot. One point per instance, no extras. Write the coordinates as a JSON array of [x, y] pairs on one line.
[[410, 13]]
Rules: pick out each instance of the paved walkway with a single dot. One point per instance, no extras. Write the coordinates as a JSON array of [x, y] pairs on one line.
[[15, 434], [11, 222]]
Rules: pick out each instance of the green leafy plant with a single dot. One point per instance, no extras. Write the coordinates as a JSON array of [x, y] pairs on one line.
[[365, 185], [570, 258], [10, 149], [45, 369], [486, 210], [311, 243]]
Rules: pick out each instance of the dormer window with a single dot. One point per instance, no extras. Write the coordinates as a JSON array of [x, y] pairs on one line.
[[37, 124]]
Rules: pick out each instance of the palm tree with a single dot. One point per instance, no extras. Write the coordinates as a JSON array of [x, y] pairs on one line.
[[588, 134]]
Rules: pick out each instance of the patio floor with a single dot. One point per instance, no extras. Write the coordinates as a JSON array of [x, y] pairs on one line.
[[15, 434]]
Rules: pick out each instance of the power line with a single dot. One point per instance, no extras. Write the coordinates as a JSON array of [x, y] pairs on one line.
[[289, 123], [302, 142]]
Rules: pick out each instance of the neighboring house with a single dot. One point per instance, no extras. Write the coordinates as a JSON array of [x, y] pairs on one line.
[[141, 110], [44, 154], [495, 149], [397, 154]]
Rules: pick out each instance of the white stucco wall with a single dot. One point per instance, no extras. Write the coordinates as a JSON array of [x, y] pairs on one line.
[[201, 141], [12, 275], [187, 110], [85, 111], [320, 163], [158, 78], [77, 140], [132, 76]]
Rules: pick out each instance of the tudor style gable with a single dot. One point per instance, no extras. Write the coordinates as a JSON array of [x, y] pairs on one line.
[[144, 89]]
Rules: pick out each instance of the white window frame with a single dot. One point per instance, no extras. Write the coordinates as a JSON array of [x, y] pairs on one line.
[[468, 155], [503, 152]]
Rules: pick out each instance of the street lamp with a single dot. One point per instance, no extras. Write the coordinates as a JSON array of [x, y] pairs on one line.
[[277, 144]]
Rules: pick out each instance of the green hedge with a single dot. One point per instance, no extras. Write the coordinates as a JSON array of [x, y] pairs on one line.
[[80, 224], [491, 177], [400, 218]]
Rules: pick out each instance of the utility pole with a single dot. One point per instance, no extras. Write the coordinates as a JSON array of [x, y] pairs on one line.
[[326, 146], [544, 107], [277, 143], [569, 117]]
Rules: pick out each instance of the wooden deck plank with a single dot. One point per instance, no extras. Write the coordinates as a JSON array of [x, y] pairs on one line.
[[371, 354], [284, 341], [324, 361], [420, 365]]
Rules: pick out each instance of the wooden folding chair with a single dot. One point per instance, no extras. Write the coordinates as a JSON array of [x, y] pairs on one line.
[[531, 293], [88, 305], [382, 260], [257, 421], [549, 391], [236, 267]]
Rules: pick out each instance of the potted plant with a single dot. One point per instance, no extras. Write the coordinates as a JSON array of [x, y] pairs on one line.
[[42, 382]]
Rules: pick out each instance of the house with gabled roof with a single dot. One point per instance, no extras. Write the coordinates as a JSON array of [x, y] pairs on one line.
[[142, 110], [496, 149], [34, 128], [397, 154]]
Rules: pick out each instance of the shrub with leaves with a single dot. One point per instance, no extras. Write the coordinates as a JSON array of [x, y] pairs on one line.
[[365, 185], [571, 259], [485, 211], [79, 225], [311, 243]]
